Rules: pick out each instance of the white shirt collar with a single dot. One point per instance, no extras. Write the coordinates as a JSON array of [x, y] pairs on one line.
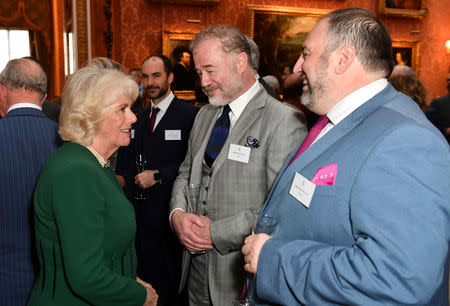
[[165, 103], [238, 105], [22, 105], [354, 100]]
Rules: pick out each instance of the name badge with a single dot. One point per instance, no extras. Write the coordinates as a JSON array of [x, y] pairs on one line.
[[239, 153], [302, 189], [172, 134]]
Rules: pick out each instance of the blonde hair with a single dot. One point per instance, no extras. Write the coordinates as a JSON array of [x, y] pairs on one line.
[[87, 96]]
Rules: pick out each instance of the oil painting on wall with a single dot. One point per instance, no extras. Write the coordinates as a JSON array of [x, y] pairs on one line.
[[280, 32], [406, 53], [403, 8]]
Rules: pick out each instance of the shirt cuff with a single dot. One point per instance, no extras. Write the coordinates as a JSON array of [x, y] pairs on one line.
[[170, 216]]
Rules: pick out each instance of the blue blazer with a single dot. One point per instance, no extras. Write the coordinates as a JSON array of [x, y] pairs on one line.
[[27, 137], [380, 234], [160, 268]]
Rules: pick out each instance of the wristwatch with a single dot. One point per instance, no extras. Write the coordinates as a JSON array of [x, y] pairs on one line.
[[157, 176]]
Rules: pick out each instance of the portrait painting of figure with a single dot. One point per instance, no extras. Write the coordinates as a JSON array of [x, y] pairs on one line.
[[404, 4], [406, 53], [403, 8], [279, 34], [402, 56]]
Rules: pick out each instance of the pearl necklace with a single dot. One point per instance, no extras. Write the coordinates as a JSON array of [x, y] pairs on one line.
[[100, 159]]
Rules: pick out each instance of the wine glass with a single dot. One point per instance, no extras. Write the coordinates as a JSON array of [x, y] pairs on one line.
[[141, 162], [265, 224], [193, 196]]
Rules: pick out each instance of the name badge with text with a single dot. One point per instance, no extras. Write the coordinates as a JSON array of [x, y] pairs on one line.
[[172, 134], [239, 153], [302, 189]]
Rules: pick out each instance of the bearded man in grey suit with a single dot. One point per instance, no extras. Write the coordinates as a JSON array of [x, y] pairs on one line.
[[232, 178]]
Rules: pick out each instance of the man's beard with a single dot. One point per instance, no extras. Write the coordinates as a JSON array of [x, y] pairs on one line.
[[215, 100], [226, 94], [310, 96], [317, 90], [160, 93]]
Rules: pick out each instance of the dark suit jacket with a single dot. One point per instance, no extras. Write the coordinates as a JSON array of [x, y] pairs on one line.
[[439, 114], [269, 89], [51, 110], [27, 138], [157, 247]]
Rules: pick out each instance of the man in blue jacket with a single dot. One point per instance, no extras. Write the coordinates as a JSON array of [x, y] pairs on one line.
[[362, 208], [27, 137]]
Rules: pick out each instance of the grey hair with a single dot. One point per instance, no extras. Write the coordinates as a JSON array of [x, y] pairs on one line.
[[231, 39], [364, 31], [272, 81], [254, 53], [403, 70], [23, 73]]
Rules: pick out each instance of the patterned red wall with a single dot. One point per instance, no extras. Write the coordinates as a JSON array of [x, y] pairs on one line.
[[142, 24]]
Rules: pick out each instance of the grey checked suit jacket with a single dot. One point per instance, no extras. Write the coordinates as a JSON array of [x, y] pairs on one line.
[[236, 190]]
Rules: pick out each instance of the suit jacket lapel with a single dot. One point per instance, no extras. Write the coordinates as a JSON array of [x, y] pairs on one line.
[[251, 112], [142, 129], [207, 124], [166, 117], [335, 134]]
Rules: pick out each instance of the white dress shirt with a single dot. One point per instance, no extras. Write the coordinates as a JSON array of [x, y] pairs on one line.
[[21, 105], [238, 105], [163, 106], [350, 103]]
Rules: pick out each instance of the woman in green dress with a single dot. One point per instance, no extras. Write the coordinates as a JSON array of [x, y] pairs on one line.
[[85, 226]]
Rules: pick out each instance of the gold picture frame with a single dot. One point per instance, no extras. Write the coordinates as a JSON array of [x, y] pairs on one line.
[[187, 2], [170, 41], [279, 33], [403, 8], [408, 51]]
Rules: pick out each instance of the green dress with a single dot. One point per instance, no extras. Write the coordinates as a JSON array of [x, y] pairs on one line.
[[85, 229]]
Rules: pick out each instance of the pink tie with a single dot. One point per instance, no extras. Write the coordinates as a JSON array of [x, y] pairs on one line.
[[321, 122]]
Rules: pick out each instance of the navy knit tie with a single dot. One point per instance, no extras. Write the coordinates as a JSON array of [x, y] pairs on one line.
[[218, 136]]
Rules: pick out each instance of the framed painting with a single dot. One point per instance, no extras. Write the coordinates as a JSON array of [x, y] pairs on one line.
[[170, 41], [403, 8], [406, 53], [279, 33], [188, 2]]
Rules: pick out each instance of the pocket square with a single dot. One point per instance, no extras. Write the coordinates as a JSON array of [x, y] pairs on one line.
[[252, 142], [325, 175]]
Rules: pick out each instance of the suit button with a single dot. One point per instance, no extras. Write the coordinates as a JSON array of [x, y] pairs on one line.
[[206, 188], [204, 202]]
